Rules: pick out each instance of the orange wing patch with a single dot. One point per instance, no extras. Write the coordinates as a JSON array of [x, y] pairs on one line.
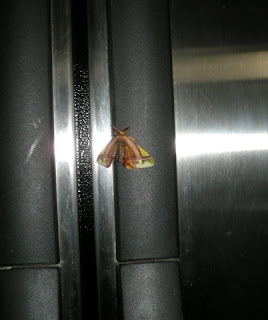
[[131, 162]]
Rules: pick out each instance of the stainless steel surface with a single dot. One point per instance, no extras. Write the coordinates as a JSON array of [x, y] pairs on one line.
[[103, 184], [65, 159], [221, 112], [220, 64]]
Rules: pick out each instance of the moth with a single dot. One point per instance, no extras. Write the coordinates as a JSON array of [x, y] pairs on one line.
[[129, 152]]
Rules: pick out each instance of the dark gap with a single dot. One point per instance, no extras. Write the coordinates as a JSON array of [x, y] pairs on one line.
[[83, 158]]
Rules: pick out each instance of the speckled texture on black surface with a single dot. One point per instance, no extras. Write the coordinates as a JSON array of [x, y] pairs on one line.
[[83, 159], [142, 99]]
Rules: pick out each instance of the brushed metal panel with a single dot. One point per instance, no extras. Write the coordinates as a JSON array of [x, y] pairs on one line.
[[221, 114], [103, 184], [65, 158]]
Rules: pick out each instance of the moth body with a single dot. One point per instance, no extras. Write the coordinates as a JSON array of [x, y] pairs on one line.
[[121, 152], [129, 152]]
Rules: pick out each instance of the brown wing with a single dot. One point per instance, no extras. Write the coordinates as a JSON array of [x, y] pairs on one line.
[[132, 162]]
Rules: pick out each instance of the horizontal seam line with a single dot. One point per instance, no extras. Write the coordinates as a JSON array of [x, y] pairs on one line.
[[30, 266], [142, 261]]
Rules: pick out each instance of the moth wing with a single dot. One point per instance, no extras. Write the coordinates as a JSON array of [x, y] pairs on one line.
[[143, 152], [105, 159], [147, 162], [131, 162]]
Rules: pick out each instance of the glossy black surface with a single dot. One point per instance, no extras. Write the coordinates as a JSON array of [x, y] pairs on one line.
[[29, 294], [142, 99], [27, 189], [150, 291]]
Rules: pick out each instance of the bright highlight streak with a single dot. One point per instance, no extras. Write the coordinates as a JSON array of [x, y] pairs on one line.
[[64, 146], [201, 144], [100, 140]]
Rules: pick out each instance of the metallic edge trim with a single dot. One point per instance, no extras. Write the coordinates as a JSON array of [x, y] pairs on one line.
[[176, 121], [103, 182], [65, 158]]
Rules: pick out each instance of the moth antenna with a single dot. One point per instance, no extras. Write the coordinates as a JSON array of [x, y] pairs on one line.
[[116, 129], [126, 130]]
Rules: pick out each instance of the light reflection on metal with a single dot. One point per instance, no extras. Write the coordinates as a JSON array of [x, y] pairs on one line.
[[103, 185], [214, 64], [221, 115], [101, 138], [201, 144], [64, 150], [64, 146]]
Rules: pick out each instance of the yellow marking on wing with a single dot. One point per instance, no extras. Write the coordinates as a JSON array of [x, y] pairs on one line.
[[143, 152], [132, 163], [103, 162], [145, 163]]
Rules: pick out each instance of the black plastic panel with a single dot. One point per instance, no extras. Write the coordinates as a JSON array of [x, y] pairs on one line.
[[27, 206], [29, 294], [141, 86], [150, 291]]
